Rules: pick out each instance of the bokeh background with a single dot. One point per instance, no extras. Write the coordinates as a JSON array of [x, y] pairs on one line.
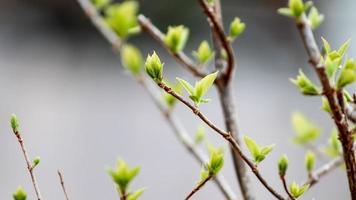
[[80, 111]]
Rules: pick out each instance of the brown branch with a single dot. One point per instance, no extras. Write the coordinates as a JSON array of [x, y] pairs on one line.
[[226, 135], [198, 187], [174, 123], [284, 182], [30, 168], [329, 92], [180, 57], [61, 180], [219, 31]]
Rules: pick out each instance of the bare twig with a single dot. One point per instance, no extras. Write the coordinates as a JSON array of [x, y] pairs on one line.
[[173, 121], [61, 180], [284, 182], [226, 135], [219, 30], [198, 187], [329, 92], [30, 168], [180, 57]]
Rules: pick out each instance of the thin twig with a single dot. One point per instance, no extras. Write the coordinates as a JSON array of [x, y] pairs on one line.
[[315, 149], [180, 57], [30, 168], [329, 92], [198, 187], [284, 182], [61, 180], [219, 30], [173, 121], [226, 135]]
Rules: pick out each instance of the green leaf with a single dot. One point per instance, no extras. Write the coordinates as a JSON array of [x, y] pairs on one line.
[[168, 98], [189, 88], [19, 194], [216, 161], [283, 165], [202, 86], [200, 135], [326, 45], [204, 174], [325, 105], [306, 131], [334, 147], [131, 59], [305, 85], [285, 12], [122, 17], [252, 146], [122, 175], [315, 18], [14, 123], [99, 4], [236, 28], [297, 190], [36, 161], [342, 50], [296, 7], [203, 54], [154, 67], [347, 75], [176, 38], [136, 194], [309, 161], [331, 66]]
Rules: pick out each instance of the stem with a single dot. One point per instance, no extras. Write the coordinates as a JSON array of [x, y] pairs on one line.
[[180, 57], [61, 179], [174, 123], [29, 165], [329, 92], [198, 187], [226, 135], [284, 182]]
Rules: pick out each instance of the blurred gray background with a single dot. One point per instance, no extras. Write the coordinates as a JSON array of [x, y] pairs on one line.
[[81, 112]]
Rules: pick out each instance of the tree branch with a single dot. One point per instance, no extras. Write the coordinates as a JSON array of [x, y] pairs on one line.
[[30, 168], [174, 123], [226, 135], [180, 57], [198, 187], [219, 31], [61, 180], [329, 92]]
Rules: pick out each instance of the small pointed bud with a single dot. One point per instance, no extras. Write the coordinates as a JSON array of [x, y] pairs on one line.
[[283, 165], [203, 53], [315, 19], [296, 7], [176, 38], [200, 135], [325, 105], [154, 67], [131, 59], [216, 161], [305, 85], [14, 123], [135, 195], [19, 194], [309, 161], [236, 28], [36, 161], [297, 190]]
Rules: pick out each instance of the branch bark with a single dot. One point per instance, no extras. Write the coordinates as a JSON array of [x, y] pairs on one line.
[[61, 180], [284, 182], [198, 187], [329, 92], [30, 168], [227, 136]]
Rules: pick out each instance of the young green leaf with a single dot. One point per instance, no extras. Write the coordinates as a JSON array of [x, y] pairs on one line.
[[347, 74], [131, 59], [189, 88], [203, 54], [176, 38], [334, 147], [326, 46], [122, 17], [168, 98], [14, 123], [154, 67], [136, 194], [36, 161], [204, 174], [122, 175], [100, 4], [19, 194], [285, 12], [309, 161], [236, 28], [283, 165], [297, 190], [216, 160], [305, 85], [315, 19], [325, 105], [200, 135], [257, 152], [342, 50], [305, 130]]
